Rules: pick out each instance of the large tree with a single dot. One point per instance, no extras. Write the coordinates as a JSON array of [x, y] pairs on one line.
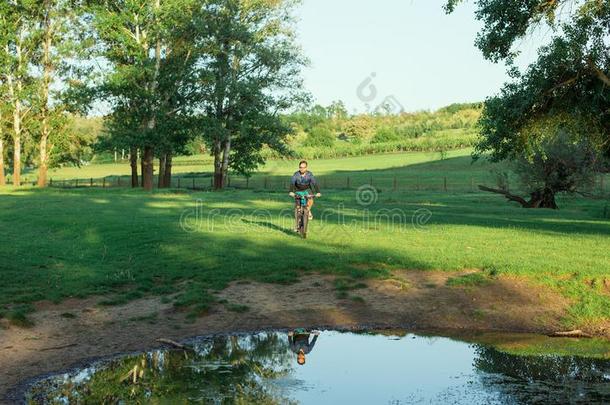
[[53, 24], [570, 76], [250, 75], [148, 47], [18, 42]]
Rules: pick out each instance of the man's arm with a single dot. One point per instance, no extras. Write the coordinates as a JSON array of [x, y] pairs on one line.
[[293, 187], [314, 184], [313, 342]]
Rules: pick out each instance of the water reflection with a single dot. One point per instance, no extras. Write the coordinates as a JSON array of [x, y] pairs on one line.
[[397, 369], [299, 343]]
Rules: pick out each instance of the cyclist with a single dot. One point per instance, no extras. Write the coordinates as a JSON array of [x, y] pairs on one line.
[[303, 180], [299, 343]]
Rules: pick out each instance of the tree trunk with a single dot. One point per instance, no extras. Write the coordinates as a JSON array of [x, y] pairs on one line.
[[225, 161], [148, 158], [17, 144], [147, 172], [544, 198], [160, 183], [44, 166], [46, 83], [217, 166], [167, 175], [15, 94], [15, 87], [133, 162], [142, 169], [2, 178]]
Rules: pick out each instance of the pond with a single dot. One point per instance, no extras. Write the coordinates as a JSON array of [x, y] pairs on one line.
[[389, 367]]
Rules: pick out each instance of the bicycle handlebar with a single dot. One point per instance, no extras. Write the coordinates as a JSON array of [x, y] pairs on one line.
[[296, 196]]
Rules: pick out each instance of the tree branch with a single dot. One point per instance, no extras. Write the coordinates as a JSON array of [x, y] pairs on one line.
[[601, 75], [506, 194]]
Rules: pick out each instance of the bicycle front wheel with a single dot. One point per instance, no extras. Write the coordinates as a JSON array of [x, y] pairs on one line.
[[304, 222]]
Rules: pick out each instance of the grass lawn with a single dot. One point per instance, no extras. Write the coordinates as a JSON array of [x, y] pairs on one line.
[[126, 244]]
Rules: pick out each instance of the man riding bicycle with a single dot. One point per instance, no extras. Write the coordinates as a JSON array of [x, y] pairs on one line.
[[302, 181]]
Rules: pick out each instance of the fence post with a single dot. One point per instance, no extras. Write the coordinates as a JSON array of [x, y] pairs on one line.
[[178, 182], [417, 183], [76, 183], [118, 181], [445, 183], [104, 182], [51, 182], [193, 182], [91, 182], [265, 184]]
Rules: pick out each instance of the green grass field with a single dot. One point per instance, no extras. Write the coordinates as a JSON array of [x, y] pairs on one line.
[[124, 244]]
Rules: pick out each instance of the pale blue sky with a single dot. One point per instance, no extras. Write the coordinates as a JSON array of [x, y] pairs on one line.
[[422, 56]]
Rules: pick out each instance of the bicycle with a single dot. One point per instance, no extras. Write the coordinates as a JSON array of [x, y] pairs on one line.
[[303, 211]]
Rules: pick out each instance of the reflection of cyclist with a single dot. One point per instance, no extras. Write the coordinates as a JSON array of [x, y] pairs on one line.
[[302, 181], [300, 344]]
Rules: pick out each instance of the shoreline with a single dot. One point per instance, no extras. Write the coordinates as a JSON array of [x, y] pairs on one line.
[[406, 302]]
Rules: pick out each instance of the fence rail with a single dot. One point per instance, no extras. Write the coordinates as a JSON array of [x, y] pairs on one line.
[[347, 182]]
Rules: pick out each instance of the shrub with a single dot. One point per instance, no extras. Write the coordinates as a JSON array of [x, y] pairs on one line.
[[320, 136], [386, 134]]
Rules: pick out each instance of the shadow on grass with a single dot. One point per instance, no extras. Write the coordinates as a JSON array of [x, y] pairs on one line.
[[131, 244], [272, 226]]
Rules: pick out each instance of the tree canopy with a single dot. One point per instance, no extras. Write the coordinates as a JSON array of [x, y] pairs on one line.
[[569, 79]]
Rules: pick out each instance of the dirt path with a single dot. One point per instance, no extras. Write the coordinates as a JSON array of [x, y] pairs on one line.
[[411, 300]]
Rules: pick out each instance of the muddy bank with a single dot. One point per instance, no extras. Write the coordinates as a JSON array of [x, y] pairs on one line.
[[76, 330]]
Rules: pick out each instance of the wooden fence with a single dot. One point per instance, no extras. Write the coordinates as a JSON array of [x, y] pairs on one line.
[[346, 182]]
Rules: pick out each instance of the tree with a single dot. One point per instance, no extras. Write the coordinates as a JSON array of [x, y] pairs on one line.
[[4, 8], [52, 17], [150, 52], [251, 74], [359, 128], [570, 76], [18, 40], [320, 136], [57, 25], [337, 110], [558, 158]]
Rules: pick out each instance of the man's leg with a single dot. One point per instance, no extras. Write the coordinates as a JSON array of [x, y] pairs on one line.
[[296, 217], [309, 205]]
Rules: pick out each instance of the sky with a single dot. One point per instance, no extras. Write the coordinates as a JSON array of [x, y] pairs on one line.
[[406, 53]]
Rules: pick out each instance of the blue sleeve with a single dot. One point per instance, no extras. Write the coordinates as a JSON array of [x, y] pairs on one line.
[[292, 182], [314, 184]]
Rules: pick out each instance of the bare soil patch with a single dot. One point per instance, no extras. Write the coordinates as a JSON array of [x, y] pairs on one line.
[[76, 330]]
